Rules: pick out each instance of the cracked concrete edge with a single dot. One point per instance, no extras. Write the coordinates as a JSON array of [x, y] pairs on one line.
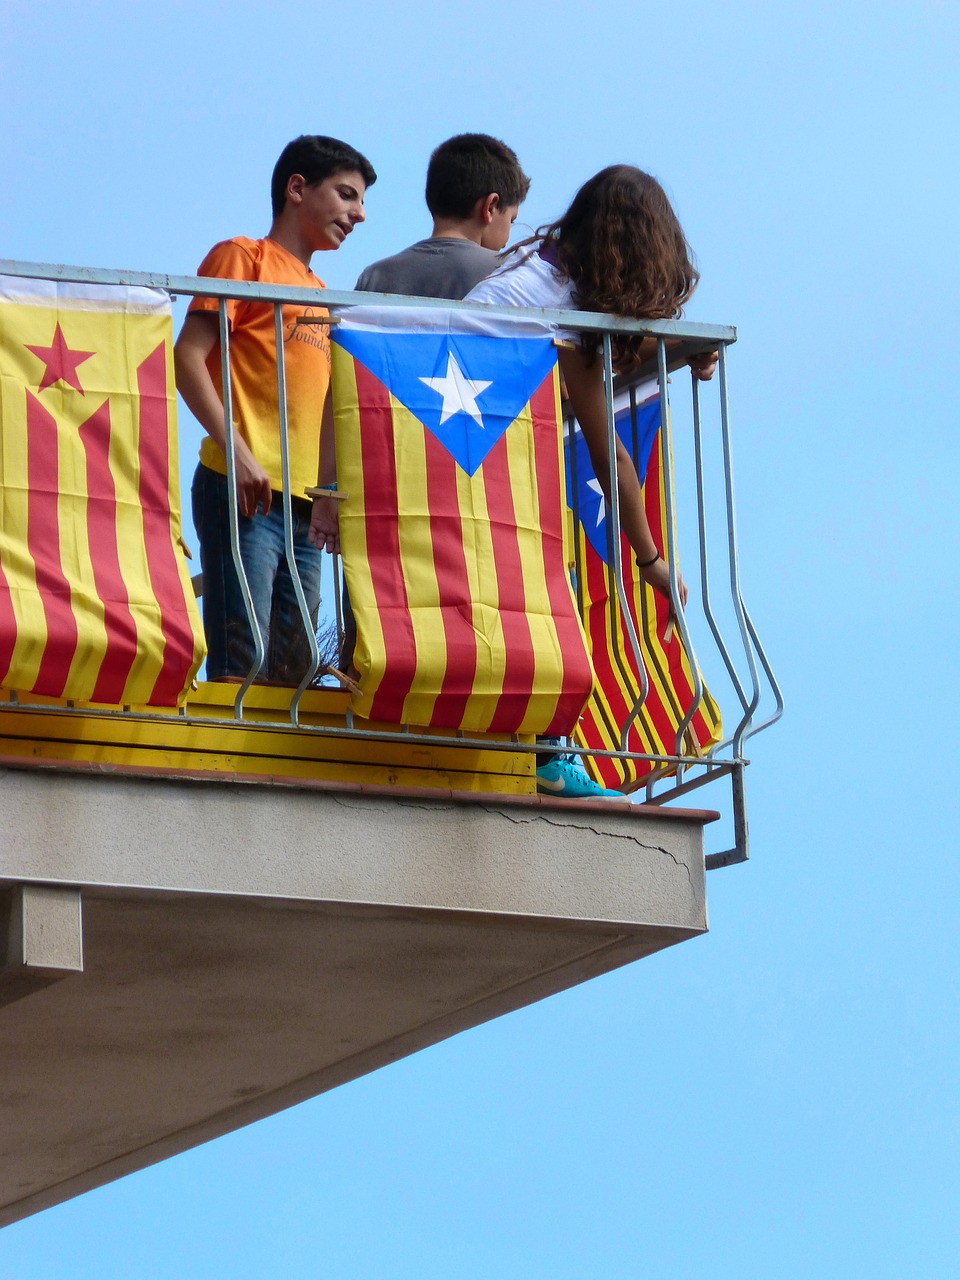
[[322, 846], [415, 797]]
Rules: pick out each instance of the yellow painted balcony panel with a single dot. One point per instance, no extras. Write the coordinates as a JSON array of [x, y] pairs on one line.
[[205, 740]]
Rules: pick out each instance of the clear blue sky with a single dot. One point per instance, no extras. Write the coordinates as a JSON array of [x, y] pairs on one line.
[[778, 1098]]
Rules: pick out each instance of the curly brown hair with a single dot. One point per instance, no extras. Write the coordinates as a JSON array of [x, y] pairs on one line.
[[623, 248]]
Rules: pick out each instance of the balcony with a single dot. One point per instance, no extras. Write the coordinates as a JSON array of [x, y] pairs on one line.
[[212, 910]]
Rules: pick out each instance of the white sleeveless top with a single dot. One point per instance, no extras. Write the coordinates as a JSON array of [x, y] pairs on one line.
[[526, 280]]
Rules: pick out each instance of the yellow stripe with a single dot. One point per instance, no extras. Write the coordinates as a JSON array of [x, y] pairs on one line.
[[618, 645], [484, 594], [133, 562], [417, 563], [369, 656], [599, 707], [176, 516], [529, 501], [75, 555]]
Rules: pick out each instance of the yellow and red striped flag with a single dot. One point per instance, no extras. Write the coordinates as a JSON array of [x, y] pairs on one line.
[[671, 686], [448, 449], [95, 598]]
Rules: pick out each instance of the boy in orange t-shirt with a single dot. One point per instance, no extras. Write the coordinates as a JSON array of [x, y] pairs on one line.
[[317, 193]]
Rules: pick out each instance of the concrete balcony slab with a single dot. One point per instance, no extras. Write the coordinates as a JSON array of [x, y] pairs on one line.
[[245, 947]]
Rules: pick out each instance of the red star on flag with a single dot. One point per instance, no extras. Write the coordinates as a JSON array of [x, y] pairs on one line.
[[61, 362]]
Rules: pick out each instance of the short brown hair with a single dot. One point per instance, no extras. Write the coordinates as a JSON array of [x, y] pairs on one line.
[[468, 167], [315, 157]]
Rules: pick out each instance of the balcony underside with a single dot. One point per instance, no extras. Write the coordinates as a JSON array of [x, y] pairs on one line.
[[247, 947]]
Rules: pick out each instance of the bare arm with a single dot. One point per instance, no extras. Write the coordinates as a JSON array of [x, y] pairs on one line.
[[585, 388], [198, 337]]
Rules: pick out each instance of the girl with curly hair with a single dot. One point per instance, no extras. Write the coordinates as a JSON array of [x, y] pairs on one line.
[[619, 249]]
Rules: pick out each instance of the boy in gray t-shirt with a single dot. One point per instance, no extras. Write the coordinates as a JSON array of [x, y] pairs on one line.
[[475, 187], [474, 190]]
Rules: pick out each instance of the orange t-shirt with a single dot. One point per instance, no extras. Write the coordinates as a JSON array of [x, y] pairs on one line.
[[253, 361]]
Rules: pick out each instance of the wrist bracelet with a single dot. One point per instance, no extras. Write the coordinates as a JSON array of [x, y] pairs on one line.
[[648, 564]]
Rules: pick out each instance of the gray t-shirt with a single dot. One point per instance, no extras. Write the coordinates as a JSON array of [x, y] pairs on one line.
[[444, 267]]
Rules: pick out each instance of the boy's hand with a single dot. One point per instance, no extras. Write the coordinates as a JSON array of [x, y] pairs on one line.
[[198, 337], [253, 483], [325, 525]]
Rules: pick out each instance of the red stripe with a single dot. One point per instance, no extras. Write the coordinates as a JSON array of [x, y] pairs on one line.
[[597, 725], [8, 626], [380, 517], [674, 674], [658, 712], [121, 629], [453, 585], [659, 715], [164, 571], [596, 728], [682, 685], [577, 669], [519, 664], [620, 705], [43, 543], [599, 587]]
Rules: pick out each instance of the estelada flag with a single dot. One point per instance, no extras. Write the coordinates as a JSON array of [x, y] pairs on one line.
[[95, 598], [671, 686], [452, 531]]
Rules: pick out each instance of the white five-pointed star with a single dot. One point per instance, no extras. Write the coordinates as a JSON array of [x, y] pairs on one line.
[[459, 393], [602, 509]]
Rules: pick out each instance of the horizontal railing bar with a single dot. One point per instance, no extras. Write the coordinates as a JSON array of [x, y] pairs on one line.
[[207, 287], [716, 770], [330, 731]]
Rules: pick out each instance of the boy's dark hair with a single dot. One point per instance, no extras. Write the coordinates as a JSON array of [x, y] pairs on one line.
[[468, 167], [315, 157]]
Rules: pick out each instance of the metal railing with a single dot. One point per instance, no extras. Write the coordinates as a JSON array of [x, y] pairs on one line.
[[671, 775]]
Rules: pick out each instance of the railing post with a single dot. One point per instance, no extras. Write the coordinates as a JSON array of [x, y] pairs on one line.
[[230, 454], [288, 515]]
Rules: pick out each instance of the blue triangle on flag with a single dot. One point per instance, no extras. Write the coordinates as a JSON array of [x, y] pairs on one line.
[[591, 506], [466, 389]]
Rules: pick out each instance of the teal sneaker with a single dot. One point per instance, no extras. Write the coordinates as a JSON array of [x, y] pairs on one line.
[[562, 777]]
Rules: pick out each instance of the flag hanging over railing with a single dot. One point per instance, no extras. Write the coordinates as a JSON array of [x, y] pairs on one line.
[[448, 449], [95, 599], [671, 687]]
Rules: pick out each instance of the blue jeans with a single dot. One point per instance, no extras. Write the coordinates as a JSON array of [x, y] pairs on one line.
[[230, 641]]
